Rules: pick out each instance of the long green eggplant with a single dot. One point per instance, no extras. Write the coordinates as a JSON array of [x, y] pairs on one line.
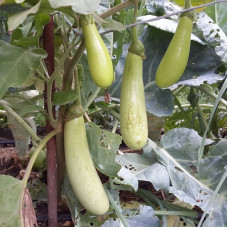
[[133, 118], [80, 168], [100, 63], [176, 57]]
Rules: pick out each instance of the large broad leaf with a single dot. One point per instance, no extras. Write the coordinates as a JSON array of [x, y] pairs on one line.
[[103, 146], [179, 154], [10, 200], [79, 6], [16, 63]]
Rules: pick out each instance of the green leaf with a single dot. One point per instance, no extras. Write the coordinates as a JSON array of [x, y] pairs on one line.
[[113, 25], [16, 63], [82, 6], [64, 97], [19, 18], [40, 20], [10, 200], [103, 147], [30, 109]]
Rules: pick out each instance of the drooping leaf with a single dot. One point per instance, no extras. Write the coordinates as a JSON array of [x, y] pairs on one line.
[[103, 146], [19, 18], [16, 63], [10, 200]]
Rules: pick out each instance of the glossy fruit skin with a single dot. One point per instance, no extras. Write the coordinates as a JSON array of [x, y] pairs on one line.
[[133, 118], [100, 63], [176, 57], [81, 172]]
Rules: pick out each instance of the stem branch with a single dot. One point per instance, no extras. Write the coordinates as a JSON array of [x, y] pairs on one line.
[[19, 119], [34, 156], [116, 208]]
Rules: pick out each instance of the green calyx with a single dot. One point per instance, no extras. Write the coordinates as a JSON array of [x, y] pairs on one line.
[[87, 19], [137, 48], [74, 111], [189, 14]]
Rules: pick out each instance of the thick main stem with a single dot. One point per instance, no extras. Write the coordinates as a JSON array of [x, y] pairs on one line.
[[48, 44]]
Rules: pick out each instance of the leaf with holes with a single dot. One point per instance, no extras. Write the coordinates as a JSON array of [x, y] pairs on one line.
[[137, 167], [179, 153], [103, 147]]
